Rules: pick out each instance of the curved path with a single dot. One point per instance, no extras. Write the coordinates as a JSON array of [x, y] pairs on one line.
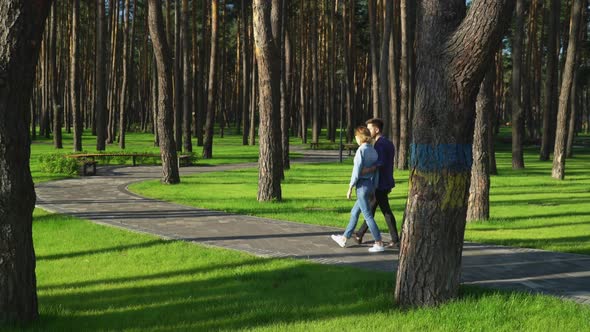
[[104, 199]]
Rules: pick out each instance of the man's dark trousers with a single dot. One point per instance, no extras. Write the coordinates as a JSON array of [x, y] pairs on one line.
[[380, 199]]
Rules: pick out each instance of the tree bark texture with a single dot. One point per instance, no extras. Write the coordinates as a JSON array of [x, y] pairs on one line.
[[453, 53], [559, 151], [22, 24], [267, 56], [163, 57]]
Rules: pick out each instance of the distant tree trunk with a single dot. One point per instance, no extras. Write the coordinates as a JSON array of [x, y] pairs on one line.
[[155, 99], [75, 77], [100, 108], [124, 83], [165, 121], [285, 86], [384, 91], [394, 51], [55, 106], [253, 99], [210, 118], [246, 69], [478, 207], [517, 112], [277, 29], [22, 24], [559, 151], [349, 61], [315, 92], [178, 91], [202, 76], [267, 54], [374, 59], [454, 53], [186, 79], [404, 110], [571, 128]]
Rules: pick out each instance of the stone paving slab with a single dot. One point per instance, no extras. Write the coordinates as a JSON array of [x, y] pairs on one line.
[[104, 199]]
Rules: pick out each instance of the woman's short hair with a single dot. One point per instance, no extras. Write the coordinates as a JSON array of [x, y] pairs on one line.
[[363, 134]]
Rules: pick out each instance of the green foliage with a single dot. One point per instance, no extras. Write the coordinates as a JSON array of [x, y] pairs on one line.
[[57, 163], [137, 282]]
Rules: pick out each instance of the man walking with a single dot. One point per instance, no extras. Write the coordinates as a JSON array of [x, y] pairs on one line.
[[386, 152]]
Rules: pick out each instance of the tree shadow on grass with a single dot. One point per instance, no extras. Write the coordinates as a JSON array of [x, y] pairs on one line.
[[252, 294]]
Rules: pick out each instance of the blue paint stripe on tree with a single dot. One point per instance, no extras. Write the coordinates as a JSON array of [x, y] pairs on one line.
[[432, 158]]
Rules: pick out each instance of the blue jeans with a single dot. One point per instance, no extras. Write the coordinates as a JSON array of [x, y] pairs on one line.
[[364, 190]]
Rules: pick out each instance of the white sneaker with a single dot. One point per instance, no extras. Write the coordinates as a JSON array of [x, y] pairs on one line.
[[341, 240], [376, 248]]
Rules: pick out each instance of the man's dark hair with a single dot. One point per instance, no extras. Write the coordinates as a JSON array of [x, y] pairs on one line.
[[376, 122]]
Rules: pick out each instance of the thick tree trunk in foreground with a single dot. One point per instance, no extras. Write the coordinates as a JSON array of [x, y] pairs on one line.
[[165, 113], [267, 56], [453, 54], [478, 207], [21, 23], [566, 85]]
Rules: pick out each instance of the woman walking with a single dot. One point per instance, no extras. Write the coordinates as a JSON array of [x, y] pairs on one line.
[[365, 184]]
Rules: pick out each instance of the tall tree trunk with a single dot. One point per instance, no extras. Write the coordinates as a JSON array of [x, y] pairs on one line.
[[315, 92], [186, 79], [210, 118], [285, 88], [384, 91], [394, 74], [100, 108], [404, 110], [202, 76], [571, 128], [478, 207], [155, 99], [559, 152], [163, 56], [75, 77], [124, 81], [178, 85], [453, 55], [21, 23], [246, 69], [55, 106], [517, 111], [374, 59], [267, 55], [253, 99], [349, 64]]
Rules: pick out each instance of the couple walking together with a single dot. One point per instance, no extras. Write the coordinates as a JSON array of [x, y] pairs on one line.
[[372, 176]]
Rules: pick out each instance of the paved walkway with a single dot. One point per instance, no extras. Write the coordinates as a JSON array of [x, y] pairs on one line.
[[104, 199]]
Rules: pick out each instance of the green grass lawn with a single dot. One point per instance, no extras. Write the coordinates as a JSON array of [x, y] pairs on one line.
[[97, 278], [528, 207]]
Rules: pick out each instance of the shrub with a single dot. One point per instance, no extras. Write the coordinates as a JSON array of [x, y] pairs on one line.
[[58, 164]]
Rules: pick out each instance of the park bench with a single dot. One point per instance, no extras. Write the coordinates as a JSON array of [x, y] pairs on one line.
[[351, 147], [87, 160]]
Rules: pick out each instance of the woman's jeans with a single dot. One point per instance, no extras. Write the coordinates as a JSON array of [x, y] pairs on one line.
[[364, 190]]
